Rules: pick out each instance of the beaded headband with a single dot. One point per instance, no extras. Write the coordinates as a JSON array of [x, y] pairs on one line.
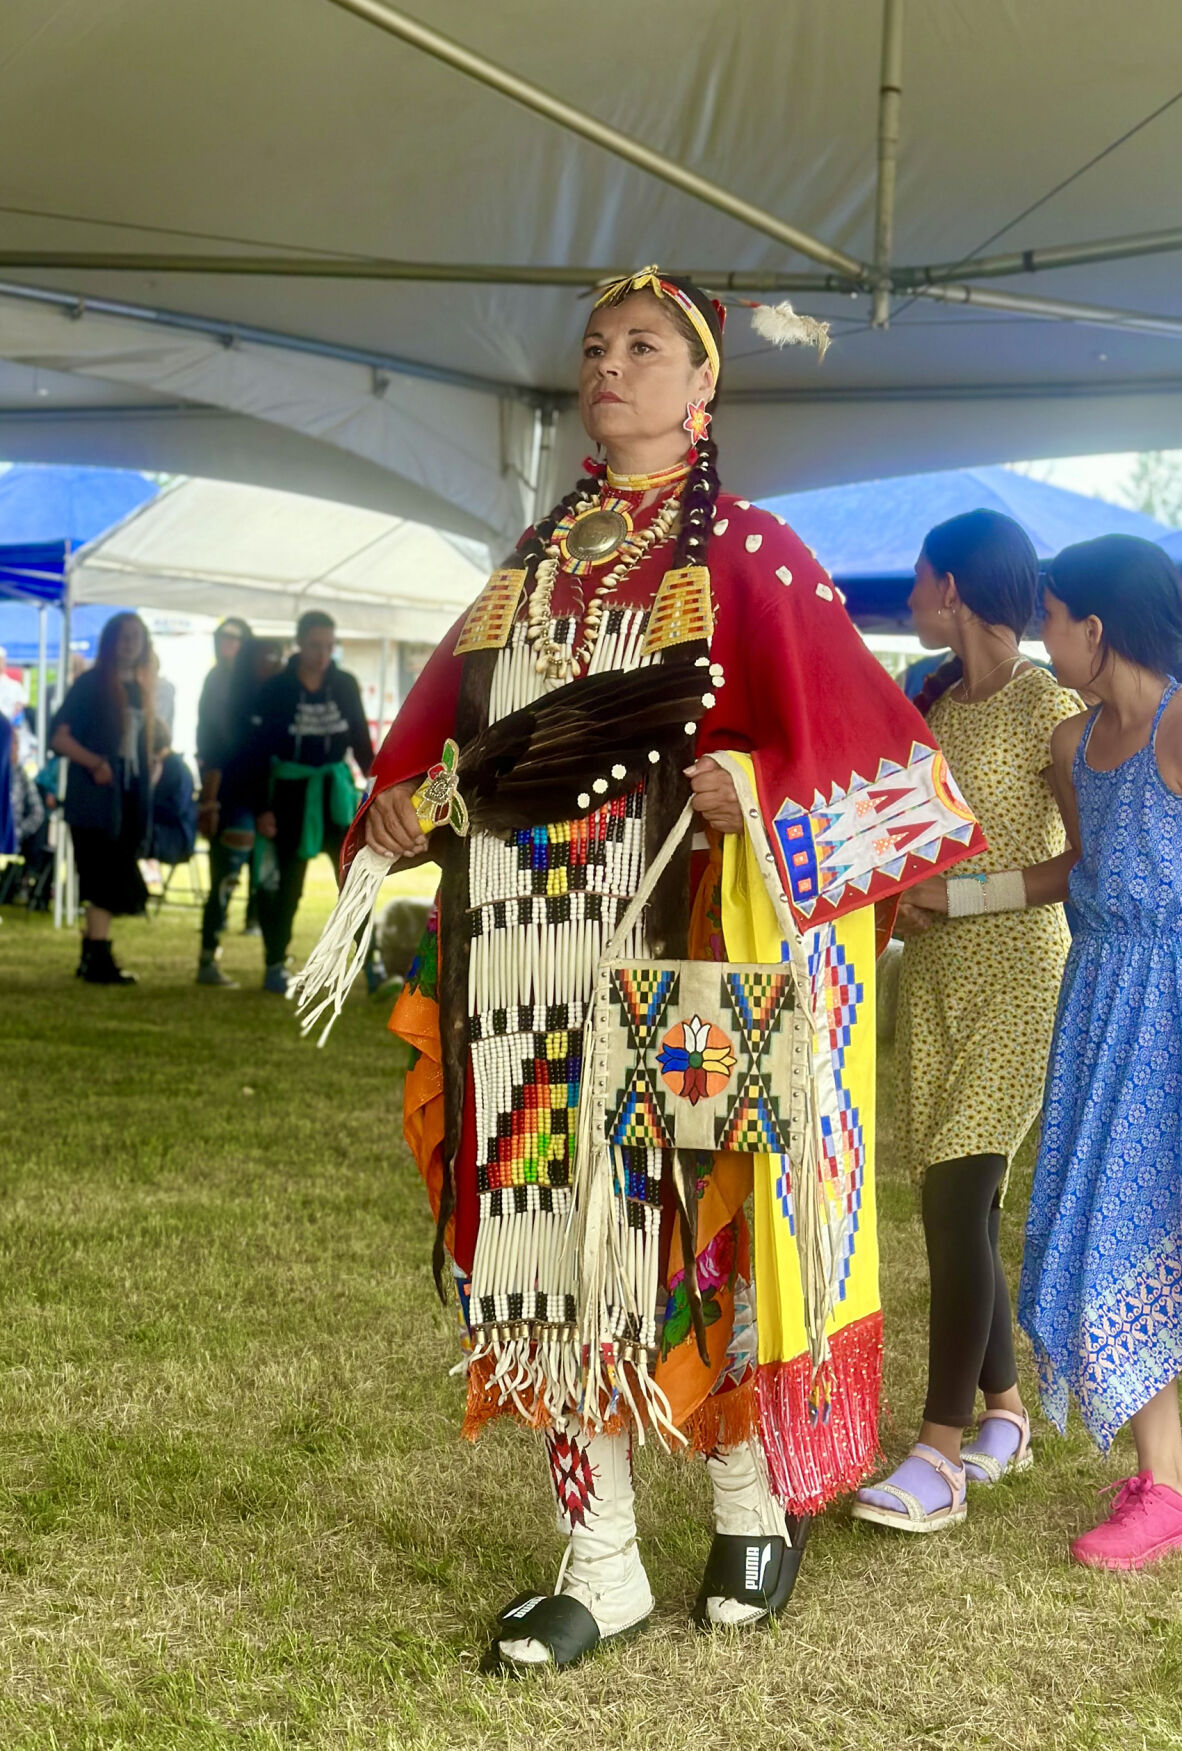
[[649, 279]]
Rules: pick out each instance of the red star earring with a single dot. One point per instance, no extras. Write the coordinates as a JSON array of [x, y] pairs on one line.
[[697, 420]]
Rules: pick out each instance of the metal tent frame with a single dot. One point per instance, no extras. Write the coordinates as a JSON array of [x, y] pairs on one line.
[[879, 280]]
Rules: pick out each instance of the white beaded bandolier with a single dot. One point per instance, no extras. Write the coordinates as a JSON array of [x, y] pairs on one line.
[[543, 903]]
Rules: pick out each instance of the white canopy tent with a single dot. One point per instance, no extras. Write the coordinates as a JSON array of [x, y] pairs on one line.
[[207, 547], [218, 547], [324, 244]]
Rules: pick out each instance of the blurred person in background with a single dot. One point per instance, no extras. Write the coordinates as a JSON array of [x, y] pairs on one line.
[[213, 707], [102, 728], [174, 803], [29, 828], [226, 814], [7, 760], [309, 719], [163, 695], [214, 712], [28, 807], [12, 691]]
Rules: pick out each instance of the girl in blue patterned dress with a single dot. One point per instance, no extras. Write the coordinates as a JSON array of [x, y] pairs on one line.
[[1101, 1292]]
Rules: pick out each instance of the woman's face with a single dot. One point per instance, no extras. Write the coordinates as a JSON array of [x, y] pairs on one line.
[[1075, 647], [637, 379], [129, 647], [930, 601]]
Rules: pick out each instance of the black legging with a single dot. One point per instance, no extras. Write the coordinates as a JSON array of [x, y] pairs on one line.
[[970, 1335], [280, 901]]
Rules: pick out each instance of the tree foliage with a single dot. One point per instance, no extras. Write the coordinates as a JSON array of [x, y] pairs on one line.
[[1155, 485]]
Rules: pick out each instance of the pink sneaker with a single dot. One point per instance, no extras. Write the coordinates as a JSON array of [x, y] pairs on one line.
[[1145, 1524]]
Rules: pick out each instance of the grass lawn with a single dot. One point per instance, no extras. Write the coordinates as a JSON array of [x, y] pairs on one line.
[[234, 1507]]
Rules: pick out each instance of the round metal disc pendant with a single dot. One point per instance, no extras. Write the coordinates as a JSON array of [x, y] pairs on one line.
[[596, 535]]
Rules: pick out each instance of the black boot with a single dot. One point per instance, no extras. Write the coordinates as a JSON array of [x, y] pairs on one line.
[[83, 959], [103, 969]]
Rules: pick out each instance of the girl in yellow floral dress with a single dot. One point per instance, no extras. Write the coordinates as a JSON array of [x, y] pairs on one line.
[[982, 965]]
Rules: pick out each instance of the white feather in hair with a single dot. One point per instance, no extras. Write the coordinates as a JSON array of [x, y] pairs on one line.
[[780, 324]]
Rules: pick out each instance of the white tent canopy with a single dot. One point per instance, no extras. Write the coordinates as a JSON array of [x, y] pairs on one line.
[[215, 547], [299, 244]]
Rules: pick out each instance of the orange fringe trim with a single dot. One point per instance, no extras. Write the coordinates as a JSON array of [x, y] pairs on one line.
[[724, 1419], [485, 1405], [813, 1455]]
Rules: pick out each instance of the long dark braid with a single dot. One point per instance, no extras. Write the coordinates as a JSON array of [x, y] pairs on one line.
[[697, 507], [936, 684]]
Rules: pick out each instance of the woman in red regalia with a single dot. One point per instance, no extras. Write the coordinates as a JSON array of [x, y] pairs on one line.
[[644, 588]]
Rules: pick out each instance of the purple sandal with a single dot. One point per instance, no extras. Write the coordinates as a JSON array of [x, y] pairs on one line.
[[993, 1454], [912, 1498]]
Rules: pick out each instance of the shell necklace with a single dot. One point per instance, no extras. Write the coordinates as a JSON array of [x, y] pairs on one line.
[[562, 662]]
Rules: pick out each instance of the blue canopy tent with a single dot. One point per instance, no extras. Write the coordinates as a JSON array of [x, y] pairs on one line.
[[20, 629], [47, 514], [867, 535]]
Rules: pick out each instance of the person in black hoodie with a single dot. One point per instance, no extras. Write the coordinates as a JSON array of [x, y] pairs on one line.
[[226, 815], [215, 707], [102, 727], [308, 719]]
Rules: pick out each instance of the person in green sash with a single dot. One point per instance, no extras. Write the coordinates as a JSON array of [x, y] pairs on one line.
[[308, 719]]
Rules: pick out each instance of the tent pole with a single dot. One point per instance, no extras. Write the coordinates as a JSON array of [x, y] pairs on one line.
[[71, 880], [383, 664], [519, 90], [1053, 309], [42, 680], [318, 267], [545, 426], [232, 333], [475, 273], [1033, 261], [63, 667], [58, 829], [890, 101], [63, 870]]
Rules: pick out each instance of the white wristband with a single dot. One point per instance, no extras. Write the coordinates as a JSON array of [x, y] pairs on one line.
[[1005, 891], [969, 896], [966, 896]]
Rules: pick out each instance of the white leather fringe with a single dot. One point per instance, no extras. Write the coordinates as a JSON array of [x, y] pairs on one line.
[[340, 953]]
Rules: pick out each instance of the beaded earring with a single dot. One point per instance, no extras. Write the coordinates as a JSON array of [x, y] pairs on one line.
[[696, 421]]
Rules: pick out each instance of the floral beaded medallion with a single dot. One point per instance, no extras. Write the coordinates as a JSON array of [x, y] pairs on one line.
[[696, 1060], [589, 538]]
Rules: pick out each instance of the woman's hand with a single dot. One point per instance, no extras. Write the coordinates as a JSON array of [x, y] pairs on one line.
[[391, 825], [103, 773], [911, 920], [930, 895], [207, 819], [714, 795]]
